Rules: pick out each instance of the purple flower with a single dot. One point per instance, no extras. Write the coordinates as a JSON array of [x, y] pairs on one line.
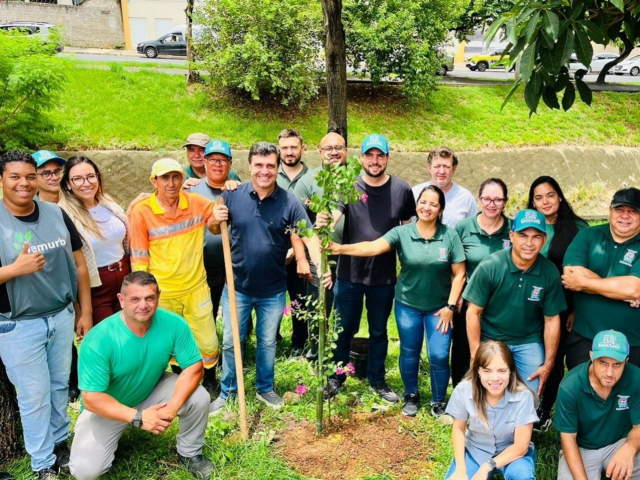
[[340, 371], [350, 368], [302, 389], [365, 197], [294, 303]]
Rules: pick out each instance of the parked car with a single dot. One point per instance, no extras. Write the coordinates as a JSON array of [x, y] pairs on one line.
[[597, 62], [630, 67], [40, 30], [172, 43], [447, 66], [489, 60]]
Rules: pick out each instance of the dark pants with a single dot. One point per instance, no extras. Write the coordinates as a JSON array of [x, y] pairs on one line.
[[460, 351], [216, 279], [297, 288], [349, 302], [557, 374], [578, 348]]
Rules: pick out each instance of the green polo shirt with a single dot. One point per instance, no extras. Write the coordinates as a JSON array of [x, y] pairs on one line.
[[191, 174], [594, 248], [597, 422], [515, 302], [478, 244], [285, 182], [425, 265]]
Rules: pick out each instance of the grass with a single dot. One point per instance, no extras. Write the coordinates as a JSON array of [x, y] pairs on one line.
[[127, 63], [144, 456], [149, 110]]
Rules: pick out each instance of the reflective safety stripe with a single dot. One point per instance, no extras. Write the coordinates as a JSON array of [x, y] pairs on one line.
[[140, 253], [177, 227]]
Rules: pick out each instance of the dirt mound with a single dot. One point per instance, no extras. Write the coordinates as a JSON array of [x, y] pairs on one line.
[[365, 444]]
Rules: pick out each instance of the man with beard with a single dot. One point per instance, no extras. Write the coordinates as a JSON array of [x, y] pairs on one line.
[[386, 202], [442, 164], [598, 414]]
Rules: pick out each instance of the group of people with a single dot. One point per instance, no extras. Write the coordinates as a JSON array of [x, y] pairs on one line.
[[501, 303]]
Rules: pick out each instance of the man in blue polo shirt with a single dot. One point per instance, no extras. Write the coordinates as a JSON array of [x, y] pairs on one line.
[[261, 217]]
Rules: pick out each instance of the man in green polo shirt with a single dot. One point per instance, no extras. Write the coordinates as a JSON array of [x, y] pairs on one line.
[[601, 265], [123, 379], [515, 296], [598, 414], [195, 145]]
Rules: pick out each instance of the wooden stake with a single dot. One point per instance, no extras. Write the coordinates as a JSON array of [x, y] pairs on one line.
[[237, 349]]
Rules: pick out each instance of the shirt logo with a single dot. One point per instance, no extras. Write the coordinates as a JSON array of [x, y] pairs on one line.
[[535, 294], [623, 402], [443, 255], [629, 257], [42, 247], [506, 243]]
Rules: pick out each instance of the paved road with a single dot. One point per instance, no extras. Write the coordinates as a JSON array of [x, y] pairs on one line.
[[462, 72]]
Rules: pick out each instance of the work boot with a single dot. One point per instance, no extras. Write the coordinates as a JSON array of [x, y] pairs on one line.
[[47, 474], [61, 451], [198, 466], [209, 381]]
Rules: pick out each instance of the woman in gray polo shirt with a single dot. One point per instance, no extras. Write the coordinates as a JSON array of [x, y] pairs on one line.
[[498, 411]]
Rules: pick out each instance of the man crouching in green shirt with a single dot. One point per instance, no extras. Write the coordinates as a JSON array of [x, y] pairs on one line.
[[598, 414], [123, 379]]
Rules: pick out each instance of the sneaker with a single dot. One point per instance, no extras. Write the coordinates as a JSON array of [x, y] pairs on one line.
[[6, 476], [410, 405], [385, 393], [217, 406], [332, 388], [438, 409], [545, 422], [271, 399], [61, 451], [47, 474], [198, 466]]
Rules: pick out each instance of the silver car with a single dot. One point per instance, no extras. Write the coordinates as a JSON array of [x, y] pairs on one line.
[[37, 29], [447, 66]]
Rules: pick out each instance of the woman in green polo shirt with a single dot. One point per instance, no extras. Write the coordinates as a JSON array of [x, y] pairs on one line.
[[482, 235], [563, 224], [431, 278]]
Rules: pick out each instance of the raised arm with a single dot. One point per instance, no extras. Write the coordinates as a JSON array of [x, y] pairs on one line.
[[362, 249]]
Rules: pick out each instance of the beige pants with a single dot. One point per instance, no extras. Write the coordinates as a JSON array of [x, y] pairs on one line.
[[596, 462]]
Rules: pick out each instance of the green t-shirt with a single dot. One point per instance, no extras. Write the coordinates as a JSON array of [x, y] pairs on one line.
[[478, 244], [425, 265], [597, 422], [115, 361], [594, 248], [550, 233], [191, 174], [515, 302], [285, 182], [305, 189]]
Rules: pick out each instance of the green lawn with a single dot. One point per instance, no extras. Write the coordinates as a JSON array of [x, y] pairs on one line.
[[143, 456], [152, 111], [128, 63]]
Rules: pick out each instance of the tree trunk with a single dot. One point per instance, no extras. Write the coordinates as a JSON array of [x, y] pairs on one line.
[[336, 60], [192, 75], [628, 48], [9, 419]]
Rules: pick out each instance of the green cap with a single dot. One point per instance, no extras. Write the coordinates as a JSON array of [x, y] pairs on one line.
[[529, 219], [610, 344], [375, 141]]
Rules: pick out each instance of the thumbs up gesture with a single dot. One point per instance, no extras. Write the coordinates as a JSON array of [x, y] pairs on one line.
[[28, 263]]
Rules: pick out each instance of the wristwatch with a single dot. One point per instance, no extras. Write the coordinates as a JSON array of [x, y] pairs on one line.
[[492, 463], [137, 420], [451, 307]]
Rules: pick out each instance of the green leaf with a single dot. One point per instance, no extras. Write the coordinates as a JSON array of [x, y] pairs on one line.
[[513, 89], [595, 33], [547, 61], [549, 42], [550, 98], [563, 80], [515, 51], [619, 4], [531, 97], [494, 28], [552, 24], [636, 11], [577, 9], [19, 237], [532, 25], [584, 49], [536, 82], [526, 64], [585, 92], [563, 49], [28, 236], [17, 246], [569, 97]]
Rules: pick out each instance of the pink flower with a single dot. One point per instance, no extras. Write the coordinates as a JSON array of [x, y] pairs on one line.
[[340, 371], [350, 368], [365, 197], [287, 311], [302, 389], [294, 303]]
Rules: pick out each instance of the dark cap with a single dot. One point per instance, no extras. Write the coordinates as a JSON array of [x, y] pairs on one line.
[[629, 197]]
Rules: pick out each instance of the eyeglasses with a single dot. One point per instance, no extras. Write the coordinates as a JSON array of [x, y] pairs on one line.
[[217, 161], [47, 174], [92, 178], [498, 202], [336, 148]]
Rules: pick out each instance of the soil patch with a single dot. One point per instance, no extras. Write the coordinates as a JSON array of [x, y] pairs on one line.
[[364, 444]]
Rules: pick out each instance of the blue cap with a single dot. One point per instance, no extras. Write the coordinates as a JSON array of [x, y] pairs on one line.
[[529, 219], [43, 156], [610, 344], [218, 146], [375, 141]]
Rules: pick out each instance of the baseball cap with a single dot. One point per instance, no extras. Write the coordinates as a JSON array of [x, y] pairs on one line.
[[43, 156], [529, 219], [218, 146], [375, 141], [610, 344], [165, 165], [627, 196], [199, 139]]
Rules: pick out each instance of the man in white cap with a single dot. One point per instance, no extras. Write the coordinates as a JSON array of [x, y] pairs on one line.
[[196, 144], [167, 237]]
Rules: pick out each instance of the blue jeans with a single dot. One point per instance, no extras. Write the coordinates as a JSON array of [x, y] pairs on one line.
[[528, 359], [269, 314], [349, 302], [522, 469], [412, 326], [37, 356]]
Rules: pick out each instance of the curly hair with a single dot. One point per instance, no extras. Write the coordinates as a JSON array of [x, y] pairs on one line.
[[16, 156]]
